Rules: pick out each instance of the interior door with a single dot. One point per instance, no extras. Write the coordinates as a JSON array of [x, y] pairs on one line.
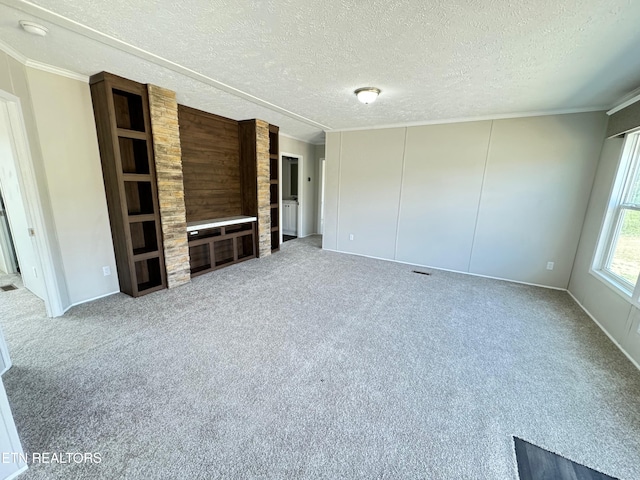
[[21, 229]]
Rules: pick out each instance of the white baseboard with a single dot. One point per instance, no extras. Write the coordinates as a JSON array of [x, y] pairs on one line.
[[19, 472], [615, 342], [89, 300], [449, 270]]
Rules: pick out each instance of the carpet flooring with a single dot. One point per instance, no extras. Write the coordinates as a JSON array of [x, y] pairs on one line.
[[311, 364]]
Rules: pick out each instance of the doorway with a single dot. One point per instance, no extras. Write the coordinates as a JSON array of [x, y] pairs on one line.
[[292, 196], [23, 213]]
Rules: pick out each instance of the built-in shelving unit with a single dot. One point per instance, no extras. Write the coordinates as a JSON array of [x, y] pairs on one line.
[[219, 243], [274, 177], [121, 109]]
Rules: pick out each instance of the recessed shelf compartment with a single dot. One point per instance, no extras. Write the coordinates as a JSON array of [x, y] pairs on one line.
[[200, 258], [273, 191], [129, 110], [139, 198], [245, 247], [273, 171], [143, 237], [205, 233], [274, 217], [240, 227], [275, 240], [223, 252], [134, 156], [148, 274]]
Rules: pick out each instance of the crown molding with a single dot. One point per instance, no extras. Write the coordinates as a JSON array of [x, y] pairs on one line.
[[9, 50], [625, 101], [77, 27], [473, 119], [13, 53], [56, 70]]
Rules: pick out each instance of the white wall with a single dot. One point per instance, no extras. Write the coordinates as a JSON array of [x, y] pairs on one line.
[[497, 198], [612, 312], [308, 189], [67, 134]]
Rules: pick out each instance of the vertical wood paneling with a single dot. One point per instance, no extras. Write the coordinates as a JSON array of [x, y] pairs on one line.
[[210, 165]]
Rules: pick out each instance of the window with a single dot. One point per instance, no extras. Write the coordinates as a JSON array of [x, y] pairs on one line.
[[618, 256]]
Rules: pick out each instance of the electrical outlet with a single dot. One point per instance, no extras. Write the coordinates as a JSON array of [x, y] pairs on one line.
[[351, 236], [550, 265], [106, 271]]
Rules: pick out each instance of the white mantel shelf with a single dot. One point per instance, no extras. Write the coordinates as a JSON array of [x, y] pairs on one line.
[[218, 222]]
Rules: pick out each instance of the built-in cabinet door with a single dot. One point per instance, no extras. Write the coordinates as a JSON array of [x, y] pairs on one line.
[[290, 218]]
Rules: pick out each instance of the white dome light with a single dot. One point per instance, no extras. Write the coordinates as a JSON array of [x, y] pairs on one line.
[[33, 28], [367, 94]]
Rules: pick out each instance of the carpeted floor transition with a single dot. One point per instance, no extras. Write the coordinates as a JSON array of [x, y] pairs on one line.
[[313, 364]]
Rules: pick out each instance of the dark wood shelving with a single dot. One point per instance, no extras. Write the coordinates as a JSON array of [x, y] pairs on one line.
[[136, 177], [214, 248], [121, 109], [135, 134], [274, 179], [150, 217], [143, 256]]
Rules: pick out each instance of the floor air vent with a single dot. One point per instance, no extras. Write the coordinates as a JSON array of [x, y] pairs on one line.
[[421, 273], [7, 288]]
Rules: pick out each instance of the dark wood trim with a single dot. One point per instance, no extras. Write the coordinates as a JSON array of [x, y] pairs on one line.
[[212, 116]]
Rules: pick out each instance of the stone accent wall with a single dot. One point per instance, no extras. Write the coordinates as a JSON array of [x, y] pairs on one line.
[[264, 200], [168, 159]]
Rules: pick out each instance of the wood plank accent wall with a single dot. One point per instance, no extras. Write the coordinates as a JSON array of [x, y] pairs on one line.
[[166, 145], [210, 165]]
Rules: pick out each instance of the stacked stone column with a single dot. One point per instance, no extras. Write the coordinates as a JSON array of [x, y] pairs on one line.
[[168, 160]]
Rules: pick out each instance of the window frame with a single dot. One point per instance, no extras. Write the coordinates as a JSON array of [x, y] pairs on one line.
[[628, 168]]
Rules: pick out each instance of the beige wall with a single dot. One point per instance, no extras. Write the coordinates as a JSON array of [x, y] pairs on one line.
[[67, 134], [62, 138], [614, 313], [13, 80], [497, 198], [308, 188]]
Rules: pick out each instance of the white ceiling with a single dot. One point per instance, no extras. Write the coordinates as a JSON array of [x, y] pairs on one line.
[[295, 63]]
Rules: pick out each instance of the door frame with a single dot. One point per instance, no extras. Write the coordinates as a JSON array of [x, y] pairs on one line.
[[300, 159], [32, 204]]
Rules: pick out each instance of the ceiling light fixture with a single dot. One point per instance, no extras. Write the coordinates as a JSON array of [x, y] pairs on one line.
[[34, 28], [367, 94]]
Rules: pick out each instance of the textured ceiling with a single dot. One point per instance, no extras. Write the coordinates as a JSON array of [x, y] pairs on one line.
[[296, 63]]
